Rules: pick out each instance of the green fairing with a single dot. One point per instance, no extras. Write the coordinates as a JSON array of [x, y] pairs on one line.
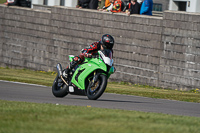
[[112, 70], [71, 57], [91, 65]]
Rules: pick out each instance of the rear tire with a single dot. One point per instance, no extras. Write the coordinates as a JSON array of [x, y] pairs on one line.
[[59, 89], [94, 92]]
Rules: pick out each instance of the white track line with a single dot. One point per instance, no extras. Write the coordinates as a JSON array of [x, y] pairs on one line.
[[22, 83]]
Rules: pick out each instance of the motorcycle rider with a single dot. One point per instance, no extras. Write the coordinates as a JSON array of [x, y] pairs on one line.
[[106, 42]]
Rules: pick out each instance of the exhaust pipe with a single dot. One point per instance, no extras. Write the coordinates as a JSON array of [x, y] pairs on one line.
[[59, 69]]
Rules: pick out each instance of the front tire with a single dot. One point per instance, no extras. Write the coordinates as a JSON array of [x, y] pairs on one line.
[[59, 88], [95, 91]]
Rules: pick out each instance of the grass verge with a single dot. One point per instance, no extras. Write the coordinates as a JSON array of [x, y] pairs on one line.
[[2, 1], [22, 117], [46, 78]]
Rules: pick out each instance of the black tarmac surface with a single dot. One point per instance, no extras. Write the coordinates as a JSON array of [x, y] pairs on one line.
[[14, 91]]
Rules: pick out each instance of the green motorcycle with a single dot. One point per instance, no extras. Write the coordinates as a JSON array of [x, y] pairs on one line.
[[88, 79]]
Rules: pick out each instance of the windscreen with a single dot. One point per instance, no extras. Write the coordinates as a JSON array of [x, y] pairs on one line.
[[107, 53]]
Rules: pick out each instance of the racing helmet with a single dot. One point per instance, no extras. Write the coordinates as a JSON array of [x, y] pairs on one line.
[[107, 41]]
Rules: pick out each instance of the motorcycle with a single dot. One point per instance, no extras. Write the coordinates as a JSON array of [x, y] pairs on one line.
[[88, 79]]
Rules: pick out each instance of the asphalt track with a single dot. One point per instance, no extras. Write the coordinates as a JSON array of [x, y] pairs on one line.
[[13, 91]]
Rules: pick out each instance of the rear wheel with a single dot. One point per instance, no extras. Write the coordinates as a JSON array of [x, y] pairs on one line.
[[95, 90], [59, 88]]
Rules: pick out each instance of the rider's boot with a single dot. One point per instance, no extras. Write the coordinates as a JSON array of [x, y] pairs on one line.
[[68, 70], [72, 65]]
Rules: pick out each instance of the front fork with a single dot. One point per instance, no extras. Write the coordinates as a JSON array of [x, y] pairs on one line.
[[95, 78]]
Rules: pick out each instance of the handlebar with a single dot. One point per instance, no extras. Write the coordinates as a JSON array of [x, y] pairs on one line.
[[95, 56], [91, 56]]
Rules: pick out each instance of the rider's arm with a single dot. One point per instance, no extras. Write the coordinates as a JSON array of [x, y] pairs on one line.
[[94, 47]]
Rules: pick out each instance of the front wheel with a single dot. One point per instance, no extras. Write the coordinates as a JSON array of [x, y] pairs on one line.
[[59, 88], [94, 91]]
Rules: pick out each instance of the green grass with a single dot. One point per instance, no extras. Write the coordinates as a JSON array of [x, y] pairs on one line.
[[2, 1], [46, 78], [22, 117], [27, 76]]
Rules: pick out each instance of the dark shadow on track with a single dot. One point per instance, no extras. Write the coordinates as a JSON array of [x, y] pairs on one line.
[[107, 100]]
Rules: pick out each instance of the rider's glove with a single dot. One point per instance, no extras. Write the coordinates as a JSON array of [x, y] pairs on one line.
[[87, 55]]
